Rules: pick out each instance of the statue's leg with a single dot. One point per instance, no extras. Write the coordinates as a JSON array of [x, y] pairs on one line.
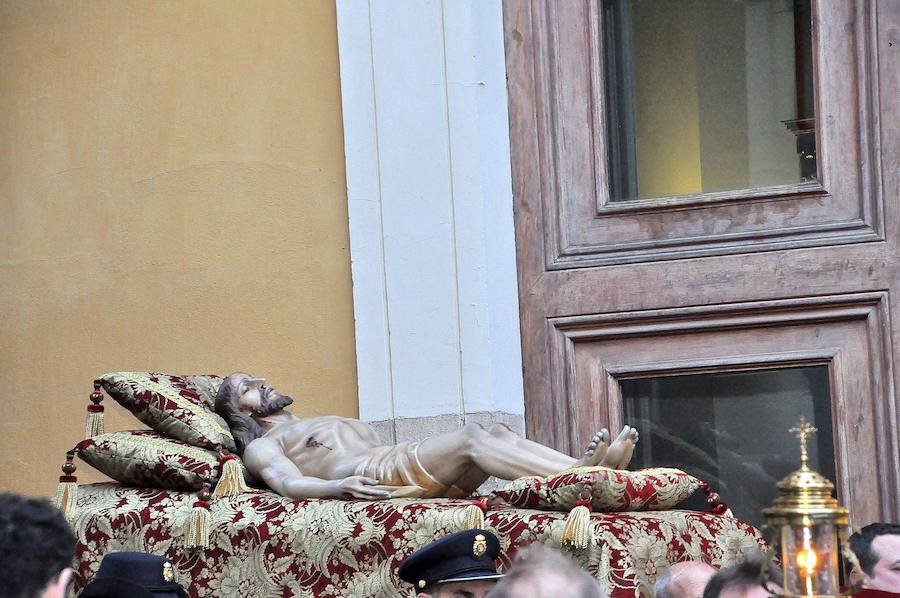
[[475, 477], [561, 460], [594, 455], [450, 456], [471, 480]]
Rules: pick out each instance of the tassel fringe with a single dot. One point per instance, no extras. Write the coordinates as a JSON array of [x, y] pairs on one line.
[[473, 516], [66, 498], [231, 481], [93, 425], [577, 533], [196, 534]]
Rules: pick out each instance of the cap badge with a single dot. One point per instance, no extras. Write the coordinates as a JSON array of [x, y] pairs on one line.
[[168, 572], [422, 583], [479, 547]]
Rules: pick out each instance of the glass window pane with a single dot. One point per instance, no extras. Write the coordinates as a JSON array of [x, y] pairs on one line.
[[708, 95], [731, 429]]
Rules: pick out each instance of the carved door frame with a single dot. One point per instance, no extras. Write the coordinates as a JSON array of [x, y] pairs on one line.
[[724, 281]]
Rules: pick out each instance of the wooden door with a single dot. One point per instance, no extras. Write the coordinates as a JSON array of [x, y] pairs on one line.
[[801, 276]]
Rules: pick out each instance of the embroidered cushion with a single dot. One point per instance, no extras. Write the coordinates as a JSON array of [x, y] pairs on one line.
[[146, 458], [177, 406], [611, 489]]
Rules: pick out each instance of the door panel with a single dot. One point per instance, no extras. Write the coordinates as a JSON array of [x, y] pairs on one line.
[[801, 275], [586, 228], [842, 333]]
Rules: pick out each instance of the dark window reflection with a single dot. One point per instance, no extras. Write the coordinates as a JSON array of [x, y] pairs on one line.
[[731, 429]]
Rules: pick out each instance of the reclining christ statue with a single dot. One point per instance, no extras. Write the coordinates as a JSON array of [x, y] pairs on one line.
[[338, 457]]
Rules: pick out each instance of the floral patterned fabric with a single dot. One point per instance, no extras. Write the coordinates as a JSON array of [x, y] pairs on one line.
[[611, 489], [265, 545], [146, 458], [177, 406]]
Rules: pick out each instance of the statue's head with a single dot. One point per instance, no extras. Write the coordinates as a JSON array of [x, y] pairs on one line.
[[252, 395], [240, 398]]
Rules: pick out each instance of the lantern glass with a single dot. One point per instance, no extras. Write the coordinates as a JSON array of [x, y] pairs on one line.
[[809, 557]]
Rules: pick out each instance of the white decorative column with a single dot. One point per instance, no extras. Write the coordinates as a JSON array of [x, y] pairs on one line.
[[431, 225]]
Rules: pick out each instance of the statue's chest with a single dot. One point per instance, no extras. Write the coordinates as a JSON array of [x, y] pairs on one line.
[[322, 439]]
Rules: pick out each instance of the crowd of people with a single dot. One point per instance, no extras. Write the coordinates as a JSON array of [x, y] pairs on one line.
[[37, 548]]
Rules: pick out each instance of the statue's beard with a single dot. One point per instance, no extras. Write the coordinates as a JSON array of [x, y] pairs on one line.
[[270, 406]]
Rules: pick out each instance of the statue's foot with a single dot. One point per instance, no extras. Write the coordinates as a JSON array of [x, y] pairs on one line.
[[619, 454], [596, 450]]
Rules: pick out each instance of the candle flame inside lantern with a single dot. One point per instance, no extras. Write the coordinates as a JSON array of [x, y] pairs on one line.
[[807, 559]]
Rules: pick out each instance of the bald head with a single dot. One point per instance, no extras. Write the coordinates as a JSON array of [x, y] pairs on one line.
[[546, 573], [683, 580]]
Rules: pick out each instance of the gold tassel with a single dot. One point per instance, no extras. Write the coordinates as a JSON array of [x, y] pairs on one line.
[[93, 425], [473, 515], [577, 533], [67, 492], [231, 480], [196, 533]]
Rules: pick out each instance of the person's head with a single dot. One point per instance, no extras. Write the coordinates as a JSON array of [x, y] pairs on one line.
[[460, 565], [877, 546], [36, 548], [240, 398], [460, 589], [134, 575], [683, 580], [750, 579], [546, 573]]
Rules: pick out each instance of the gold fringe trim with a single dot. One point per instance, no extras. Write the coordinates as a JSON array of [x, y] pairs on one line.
[[67, 498], [473, 517], [231, 482], [196, 533], [93, 424], [578, 533]]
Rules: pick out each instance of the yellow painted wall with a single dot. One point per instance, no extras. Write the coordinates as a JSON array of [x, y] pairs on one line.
[[172, 197]]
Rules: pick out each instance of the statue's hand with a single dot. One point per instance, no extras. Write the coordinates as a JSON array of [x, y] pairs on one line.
[[358, 486]]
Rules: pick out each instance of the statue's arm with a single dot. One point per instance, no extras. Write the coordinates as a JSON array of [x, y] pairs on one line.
[[264, 459]]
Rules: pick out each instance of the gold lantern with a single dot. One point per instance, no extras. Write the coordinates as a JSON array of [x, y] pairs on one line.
[[808, 527]]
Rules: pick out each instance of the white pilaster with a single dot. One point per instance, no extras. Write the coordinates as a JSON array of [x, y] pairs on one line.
[[430, 200]]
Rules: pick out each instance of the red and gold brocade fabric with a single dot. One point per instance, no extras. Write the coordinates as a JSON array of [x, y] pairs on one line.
[[147, 458], [611, 489], [265, 545], [180, 407]]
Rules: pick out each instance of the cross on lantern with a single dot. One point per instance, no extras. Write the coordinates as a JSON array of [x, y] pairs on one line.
[[803, 430]]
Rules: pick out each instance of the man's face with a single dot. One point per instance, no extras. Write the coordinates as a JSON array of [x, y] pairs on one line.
[[258, 398], [886, 572], [462, 589]]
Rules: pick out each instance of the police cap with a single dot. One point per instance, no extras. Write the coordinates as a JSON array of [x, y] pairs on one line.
[[464, 556]]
